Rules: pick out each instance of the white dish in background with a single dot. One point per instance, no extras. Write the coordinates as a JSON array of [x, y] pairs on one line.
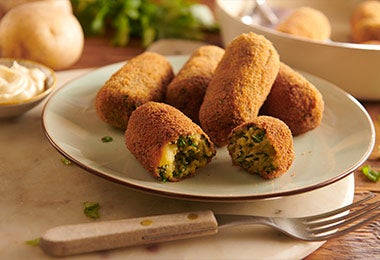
[[323, 156], [353, 67]]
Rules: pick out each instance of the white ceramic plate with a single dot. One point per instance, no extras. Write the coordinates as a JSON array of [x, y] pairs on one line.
[[325, 155]]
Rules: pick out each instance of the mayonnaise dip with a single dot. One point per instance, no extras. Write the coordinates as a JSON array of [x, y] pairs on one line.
[[19, 83]]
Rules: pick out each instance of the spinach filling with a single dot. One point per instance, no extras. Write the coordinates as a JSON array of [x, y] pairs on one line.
[[191, 153], [251, 149]]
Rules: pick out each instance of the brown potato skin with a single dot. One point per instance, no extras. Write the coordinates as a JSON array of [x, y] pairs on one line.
[[306, 22], [365, 23], [143, 78], [152, 126], [241, 83], [294, 100], [187, 89], [280, 138]]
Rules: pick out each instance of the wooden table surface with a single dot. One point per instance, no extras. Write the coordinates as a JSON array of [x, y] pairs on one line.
[[361, 244]]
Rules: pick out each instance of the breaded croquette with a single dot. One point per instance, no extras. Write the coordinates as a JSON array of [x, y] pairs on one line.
[[371, 42], [143, 78], [294, 100], [241, 83], [365, 22], [187, 89], [306, 22], [263, 146], [166, 142]]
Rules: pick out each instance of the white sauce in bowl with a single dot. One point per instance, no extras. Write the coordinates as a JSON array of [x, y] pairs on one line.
[[18, 83]]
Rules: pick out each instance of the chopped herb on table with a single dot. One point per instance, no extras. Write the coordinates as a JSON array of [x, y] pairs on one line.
[[107, 139], [66, 161], [33, 242], [372, 175], [91, 209], [146, 19]]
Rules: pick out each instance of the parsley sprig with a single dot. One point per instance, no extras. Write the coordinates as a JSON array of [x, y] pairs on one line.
[[91, 209], [147, 19]]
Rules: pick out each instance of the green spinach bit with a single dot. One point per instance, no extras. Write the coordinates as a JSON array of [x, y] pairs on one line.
[[372, 175], [66, 161], [107, 139], [91, 209], [258, 136], [33, 242], [162, 172]]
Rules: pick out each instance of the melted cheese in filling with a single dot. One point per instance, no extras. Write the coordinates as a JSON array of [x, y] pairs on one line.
[[184, 156]]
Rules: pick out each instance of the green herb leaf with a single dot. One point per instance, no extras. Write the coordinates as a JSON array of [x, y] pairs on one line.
[[66, 161], [147, 19], [107, 139], [91, 209], [33, 242], [372, 175], [258, 136]]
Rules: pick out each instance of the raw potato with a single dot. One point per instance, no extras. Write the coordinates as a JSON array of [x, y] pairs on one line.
[[6, 5], [50, 34]]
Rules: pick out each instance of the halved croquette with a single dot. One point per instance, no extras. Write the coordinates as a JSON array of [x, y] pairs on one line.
[[263, 146], [166, 142]]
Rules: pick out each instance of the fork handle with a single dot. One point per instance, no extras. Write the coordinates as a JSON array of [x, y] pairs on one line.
[[90, 237]]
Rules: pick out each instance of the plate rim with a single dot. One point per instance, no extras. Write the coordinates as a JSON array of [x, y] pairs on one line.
[[208, 198]]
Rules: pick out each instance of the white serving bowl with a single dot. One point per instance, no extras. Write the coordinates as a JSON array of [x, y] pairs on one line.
[[353, 67], [13, 109]]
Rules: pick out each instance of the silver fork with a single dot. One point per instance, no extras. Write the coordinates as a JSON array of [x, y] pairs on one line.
[[89, 237], [316, 227]]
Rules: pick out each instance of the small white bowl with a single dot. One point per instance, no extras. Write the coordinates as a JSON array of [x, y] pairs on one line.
[[353, 67], [13, 109]]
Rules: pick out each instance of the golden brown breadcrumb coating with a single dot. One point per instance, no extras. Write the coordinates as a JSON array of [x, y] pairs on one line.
[[365, 22], [187, 89], [166, 142], [143, 78], [371, 42], [294, 100], [306, 22], [241, 83], [263, 146]]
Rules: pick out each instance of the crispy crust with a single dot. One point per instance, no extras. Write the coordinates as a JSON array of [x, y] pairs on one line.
[[365, 22], [241, 83], [187, 89], [143, 78], [306, 22], [151, 127], [294, 100], [280, 138]]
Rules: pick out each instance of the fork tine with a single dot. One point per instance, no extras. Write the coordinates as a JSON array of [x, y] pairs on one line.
[[343, 221], [339, 217], [340, 210], [344, 231]]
